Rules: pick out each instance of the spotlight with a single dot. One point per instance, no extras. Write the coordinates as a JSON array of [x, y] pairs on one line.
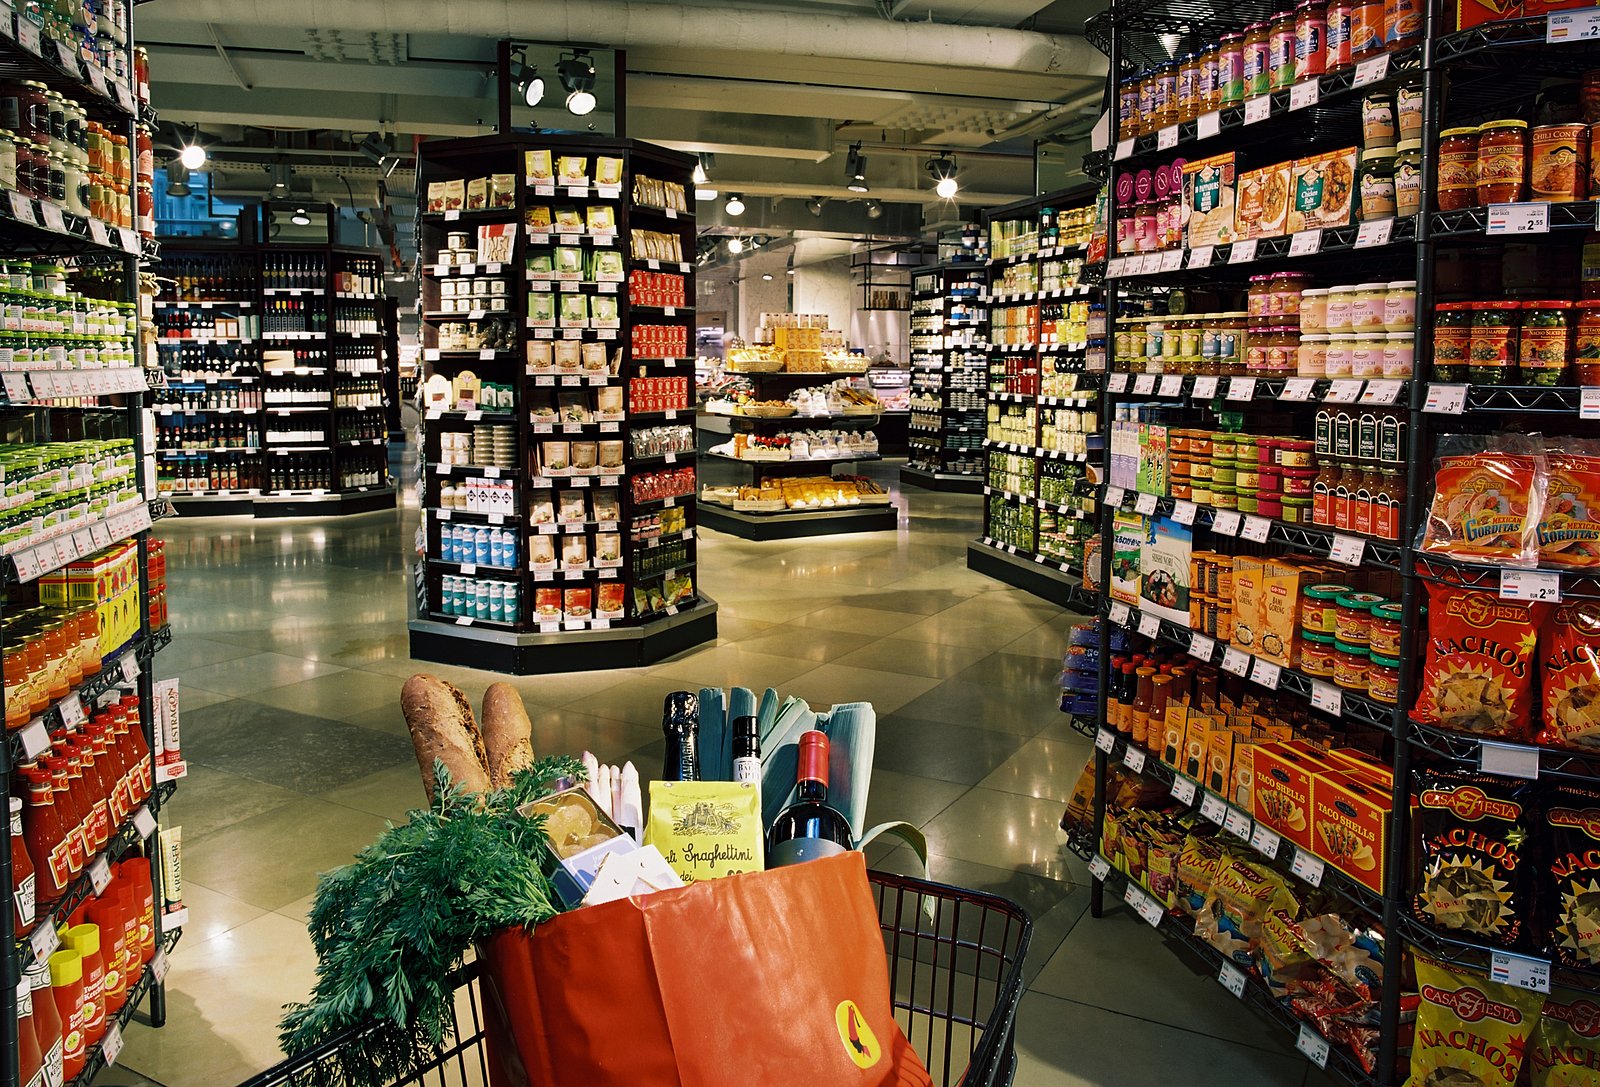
[[525, 77], [300, 218], [766, 277], [399, 274], [577, 76], [705, 162], [855, 170], [735, 205], [705, 194], [816, 204], [942, 168], [874, 209], [191, 154], [736, 246], [177, 179], [375, 148], [281, 176]]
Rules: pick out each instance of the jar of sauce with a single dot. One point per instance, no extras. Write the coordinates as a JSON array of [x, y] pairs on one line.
[[1457, 177], [1399, 355], [1366, 354], [1338, 47], [1402, 23], [1337, 358], [1209, 93], [1314, 309], [1377, 120], [1128, 107], [1586, 343], [1492, 354], [1408, 177], [1366, 29], [1188, 91], [1257, 59], [1367, 303], [1353, 617], [1503, 161], [8, 161], [1230, 70], [1350, 665], [1164, 104], [1408, 109], [1281, 49], [1312, 358], [1310, 39], [1377, 184], [1385, 629], [1558, 163], [1317, 655], [1400, 306], [1452, 340], [1319, 607], [1543, 343]]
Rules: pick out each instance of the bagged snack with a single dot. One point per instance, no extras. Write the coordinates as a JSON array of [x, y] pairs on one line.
[[706, 829], [1569, 676], [1487, 502], [1569, 526], [537, 169], [1477, 676], [1572, 897], [1473, 829], [1566, 1047], [1471, 1032], [572, 170], [607, 171]]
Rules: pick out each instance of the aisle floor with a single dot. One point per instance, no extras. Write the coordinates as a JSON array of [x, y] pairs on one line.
[[291, 647]]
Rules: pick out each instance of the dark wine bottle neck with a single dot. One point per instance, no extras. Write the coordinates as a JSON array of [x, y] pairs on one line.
[[813, 791]]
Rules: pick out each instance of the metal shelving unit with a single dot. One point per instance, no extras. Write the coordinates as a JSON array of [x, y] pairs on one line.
[[949, 376]]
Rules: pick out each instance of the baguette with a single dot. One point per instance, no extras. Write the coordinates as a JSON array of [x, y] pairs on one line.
[[441, 724], [507, 734]]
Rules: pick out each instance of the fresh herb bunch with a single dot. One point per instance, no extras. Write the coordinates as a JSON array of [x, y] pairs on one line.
[[391, 928]]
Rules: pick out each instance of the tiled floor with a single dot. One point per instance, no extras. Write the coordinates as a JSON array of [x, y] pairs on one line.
[[291, 645]]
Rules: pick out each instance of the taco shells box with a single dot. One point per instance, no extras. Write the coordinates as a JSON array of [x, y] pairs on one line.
[[1208, 200], [1350, 826], [1322, 189], [1263, 206]]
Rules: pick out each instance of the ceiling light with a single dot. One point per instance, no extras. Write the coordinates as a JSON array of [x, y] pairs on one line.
[[282, 173], [704, 163], [942, 168], [577, 76], [766, 276], [816, 204], [855, 170], [191, 154], [177, 179], [525, 77], [874, 209], [735, 205], [706, 194], [736, 246], [375, 148], [790, 272], [300, 218]]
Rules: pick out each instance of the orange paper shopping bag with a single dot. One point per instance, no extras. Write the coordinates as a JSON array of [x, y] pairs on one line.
[[764, 980]]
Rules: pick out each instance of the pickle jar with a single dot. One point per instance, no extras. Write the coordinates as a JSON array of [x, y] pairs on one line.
[[1492, 355], [1452, 340], [1586, 343], [1544, 342]]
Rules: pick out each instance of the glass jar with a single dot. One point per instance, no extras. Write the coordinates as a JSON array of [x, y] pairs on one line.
[[1314, 310], [1338, 47], [1317, 657], [1366, 354], [1408, 109], [1188, 90], [1310, 39], [1230, 70], [1164, 104], [1385, 629], [1128, 108], [1337, 359], [1312, 358], [1586, 343], [1452, 340], [1399, 354], [1400, 306], [1456, 185], [1208, 95], [33, 112], [58, 179], [1492, 355], [1558, 163], [1231, 336], [1366, 307], [54, 636], [1377, 120], [1353, 617], [1383, 679], [1544, 343], [1503, 161], [8, 161], [1280, 50], [1350, 665], [56, 107], [1377, 184], [1257, 58], [1402, 23], [1319, 607], [1283, 299], [1408, 177], [1366, 29], [1256, 298], [1296, 511]]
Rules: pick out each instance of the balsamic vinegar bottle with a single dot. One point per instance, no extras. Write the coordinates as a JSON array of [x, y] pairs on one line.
[[680, 721], [809, 828], [747, 751]]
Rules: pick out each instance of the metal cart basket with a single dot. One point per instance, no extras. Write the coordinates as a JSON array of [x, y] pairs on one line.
[[955, 971]]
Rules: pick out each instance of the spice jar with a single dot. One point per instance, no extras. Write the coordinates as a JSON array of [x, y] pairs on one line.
[[1456, 186], [1491, 357], [1280, 50], [1317, 656], [1257, 56], [1452, 340], [1543, 343], [1377, 184], [1310, 39], [1377, 120], [1408, 109], [1400, 305], [1558, 163], [1502, 161], [1586, 343], [1230, 70], [1350, 665], [1408, 177], [1385, 629]]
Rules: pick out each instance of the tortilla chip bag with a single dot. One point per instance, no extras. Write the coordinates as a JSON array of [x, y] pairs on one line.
[[1572, 820], [1566, 1049], [1477, 676], [1569, 526], [1569, 670], [1471, 1032], [1486, 502], [1473, 829]]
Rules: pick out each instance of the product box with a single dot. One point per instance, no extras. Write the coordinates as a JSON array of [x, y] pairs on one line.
[[1152, 474], [1281, 798], [1091, 564], [1248, 572], [1164, 569], [1242, 787], [1350, 827], [1474, 12], [1322, 190], [581, 835], [1169, 748], [1219, 759], [1263, 207], [1278, 634], [1127, 544], [1209, 200], [1196, 741]]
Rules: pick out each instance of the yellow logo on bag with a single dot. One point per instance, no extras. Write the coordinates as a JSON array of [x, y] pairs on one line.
[[859, 1041]]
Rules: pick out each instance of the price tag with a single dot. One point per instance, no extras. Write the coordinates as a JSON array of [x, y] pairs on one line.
[[22, 209], [35, 740], [1446, 399], [1213, 807], [1264, 841], [160, 964], [1383, 392], [1297, 388], [1149, 625], [1313, 1045], [1371, 71], [1571, 26], [1120, 614], [1232, 979], [100, 874], [1589, 400], [1237, 823], [1520, 970], [1167, 138], [111, 1044], [1172, 385], [1105, 740], [1124, 149], [1304, 94], [1115, 495], [1327, 698], [1527, 218], [1144, 384], [130, 244], [1145, 906], [1145, 504], [1099, 868], [1343, 391], [1183, 790], [1118, 383], [1183, 512], [68, 57], [1265, 673], [1204, 388], [1509, 760], [1236, 661], [1530, 585], [1208, 124], [1171, 261], [99, 232], [28, 37], [1305, 242], [53, 219], [1256, 529], [1347, 549], [44, 940], [1225, 523], [1241, 388], [1133, 759], [71, 710], [1257, 109], [143, 822], [1373, 233], [130, 669], [1243, 252]]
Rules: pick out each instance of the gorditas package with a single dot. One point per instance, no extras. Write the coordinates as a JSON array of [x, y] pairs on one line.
[[1572, 897], [1477, 676], [1487, 501], [1569, 526], [1471, 1032], [1473, 829]]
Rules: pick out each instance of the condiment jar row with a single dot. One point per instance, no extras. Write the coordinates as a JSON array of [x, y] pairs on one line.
[[1508, 342], [1505, 161]]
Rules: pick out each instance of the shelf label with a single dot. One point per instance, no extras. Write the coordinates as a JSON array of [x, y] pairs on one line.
[[1264, 841], [1201, 256], [1172, 385], [22, 209], [111, 1044], [1256, 529], [1236, 661], [1145, 504], [1115, 495], [1167, 138], [1382, 392], [1571, 26], [1347, 549], [1265, 673], [1208, 124], [1343, 391], [1237, 823], [1118, 383], [1232, 979], [1589, 400], [1520, 970], [1099, 868], [1149, 625], [1374, 233], [1133, 759], [143, 822], [160, 964], [53, 219], [1257, 109], [1313, 1045], [100, 874], [1124, 149], [1105, 739], [1225, 523], [44, 940], [1183, 790], [1305, 94], [1120, 614], [1243, 252], [1183, 512], [1327, 698], [1145, 906], [1308, 867], [35, 740], [1171, 261], [1204, 388], [1305, 243], [71, 710], [1213, 808], [1541, 585], [1371, 71], [1526, 218], [130, 668], [1241, 388], [1446, 399], [1144, 384], [1509, 760], [28, 37], [1297, 388]]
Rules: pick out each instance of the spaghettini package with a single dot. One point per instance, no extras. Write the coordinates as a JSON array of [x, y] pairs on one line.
[[1473, 829], [706, 829], [1477, 676], [1488, 498], [1569, 676], [1566, 1047], [1471, 1032]]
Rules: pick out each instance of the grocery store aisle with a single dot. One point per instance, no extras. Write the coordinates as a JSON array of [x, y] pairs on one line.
[[291, 645]]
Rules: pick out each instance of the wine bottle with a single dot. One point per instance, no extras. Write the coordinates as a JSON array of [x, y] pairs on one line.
[[747, 751], [809, 829], [680, 721]]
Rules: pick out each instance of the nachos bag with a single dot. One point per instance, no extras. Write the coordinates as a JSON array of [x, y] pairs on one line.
[[765, 979]]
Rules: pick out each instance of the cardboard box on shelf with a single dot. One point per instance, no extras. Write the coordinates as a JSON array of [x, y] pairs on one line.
[[1263, 202], [1209, 200], [1322, 190]]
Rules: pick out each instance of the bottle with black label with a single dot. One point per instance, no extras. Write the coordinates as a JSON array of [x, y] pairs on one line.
[[747, 751], [680, 721]]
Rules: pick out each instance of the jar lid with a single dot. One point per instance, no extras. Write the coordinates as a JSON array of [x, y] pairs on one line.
[[1377, 153], [1554, 304], [1354, 650], [1361, 601], [1327, 591], [1314, 290], [1385, 662], [1402, 284], [1453, 132], [1232, 314], [1262, 278], [1509, 122], [1251, 29], [1314, 635], [1589, 303], [1343, 288], [1390, 612], [1494, 305], [1372, 286], [1288, 275], [1401, 335], [1408, 145]]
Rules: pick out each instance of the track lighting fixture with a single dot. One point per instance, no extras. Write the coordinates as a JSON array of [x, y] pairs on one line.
[[874, 209], [300, 218], [735, 205], [816, 204], [526, 78], [855, 169], [192, 154], [942, 168], [577, 77], [178, 179]]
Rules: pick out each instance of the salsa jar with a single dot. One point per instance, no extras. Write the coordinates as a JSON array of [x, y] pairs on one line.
[[1257, 58], [1456, 183], [1350, 665], [1492, 354], [1452, 340], [1377, 184], [1319, 607], [1586, 343], [1503, 161], [1317, 655], [1558, 163], [1281, 50], [1385, 630], [1310, 38], [1408, 177], [1544, 342], [1353, 617], [1383, 679]]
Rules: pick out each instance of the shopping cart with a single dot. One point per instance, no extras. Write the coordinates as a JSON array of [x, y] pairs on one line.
[[955, 972]]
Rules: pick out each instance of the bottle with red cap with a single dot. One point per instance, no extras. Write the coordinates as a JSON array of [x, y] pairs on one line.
[[106, 915], [30, 1061], [24, 883], [43, 835], [809, 828], [47, 1024], [142, 893]]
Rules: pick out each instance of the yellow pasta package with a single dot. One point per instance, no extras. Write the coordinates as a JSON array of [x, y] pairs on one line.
[[706, 829]]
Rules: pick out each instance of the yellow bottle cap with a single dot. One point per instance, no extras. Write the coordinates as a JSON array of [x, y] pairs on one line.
[[84, 939], [66, 968]]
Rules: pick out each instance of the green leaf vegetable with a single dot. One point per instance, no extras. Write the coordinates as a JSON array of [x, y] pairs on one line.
[[392, 927]]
